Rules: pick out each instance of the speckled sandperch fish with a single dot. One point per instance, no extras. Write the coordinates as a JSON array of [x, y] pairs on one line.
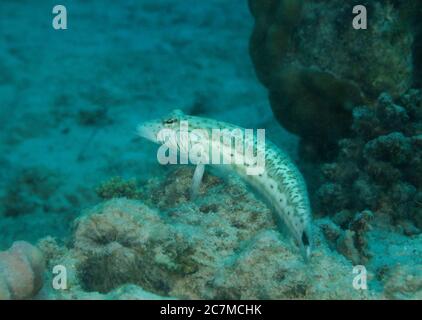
[[280, 183]]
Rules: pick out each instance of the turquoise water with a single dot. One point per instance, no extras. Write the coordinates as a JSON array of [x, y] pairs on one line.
[[77, 181]]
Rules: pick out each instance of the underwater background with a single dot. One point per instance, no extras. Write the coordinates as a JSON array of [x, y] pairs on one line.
[[80, 189]]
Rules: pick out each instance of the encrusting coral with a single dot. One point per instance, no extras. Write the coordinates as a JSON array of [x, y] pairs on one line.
[[21, 271]]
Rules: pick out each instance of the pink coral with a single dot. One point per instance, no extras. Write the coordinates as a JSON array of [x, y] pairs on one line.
[[21, 271]]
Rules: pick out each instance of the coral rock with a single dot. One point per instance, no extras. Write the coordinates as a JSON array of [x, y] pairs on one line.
[[21, 271], [222, 245], [379, 167], [310, 59]]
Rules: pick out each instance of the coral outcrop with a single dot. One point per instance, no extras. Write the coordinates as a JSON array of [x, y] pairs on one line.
[[316, 66], [380, 167], [225, 244], [21, 271]]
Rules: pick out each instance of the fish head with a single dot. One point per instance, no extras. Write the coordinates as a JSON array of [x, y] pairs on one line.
[[151, 130]]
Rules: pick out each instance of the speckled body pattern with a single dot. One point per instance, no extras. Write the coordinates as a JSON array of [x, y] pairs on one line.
[[281, 183]]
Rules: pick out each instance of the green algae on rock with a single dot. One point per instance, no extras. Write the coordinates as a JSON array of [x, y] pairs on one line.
[[117, 187]]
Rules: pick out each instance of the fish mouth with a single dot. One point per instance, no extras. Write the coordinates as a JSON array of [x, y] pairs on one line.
[[145, 132]]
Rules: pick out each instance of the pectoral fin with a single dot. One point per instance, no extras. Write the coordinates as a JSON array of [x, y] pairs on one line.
[[197, 179]]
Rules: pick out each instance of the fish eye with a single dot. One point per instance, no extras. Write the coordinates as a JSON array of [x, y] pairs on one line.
[[170, 121], [305, 239]]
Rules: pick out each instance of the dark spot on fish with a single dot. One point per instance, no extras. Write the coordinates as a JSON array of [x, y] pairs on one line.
[[305, 239], [170, 121]]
